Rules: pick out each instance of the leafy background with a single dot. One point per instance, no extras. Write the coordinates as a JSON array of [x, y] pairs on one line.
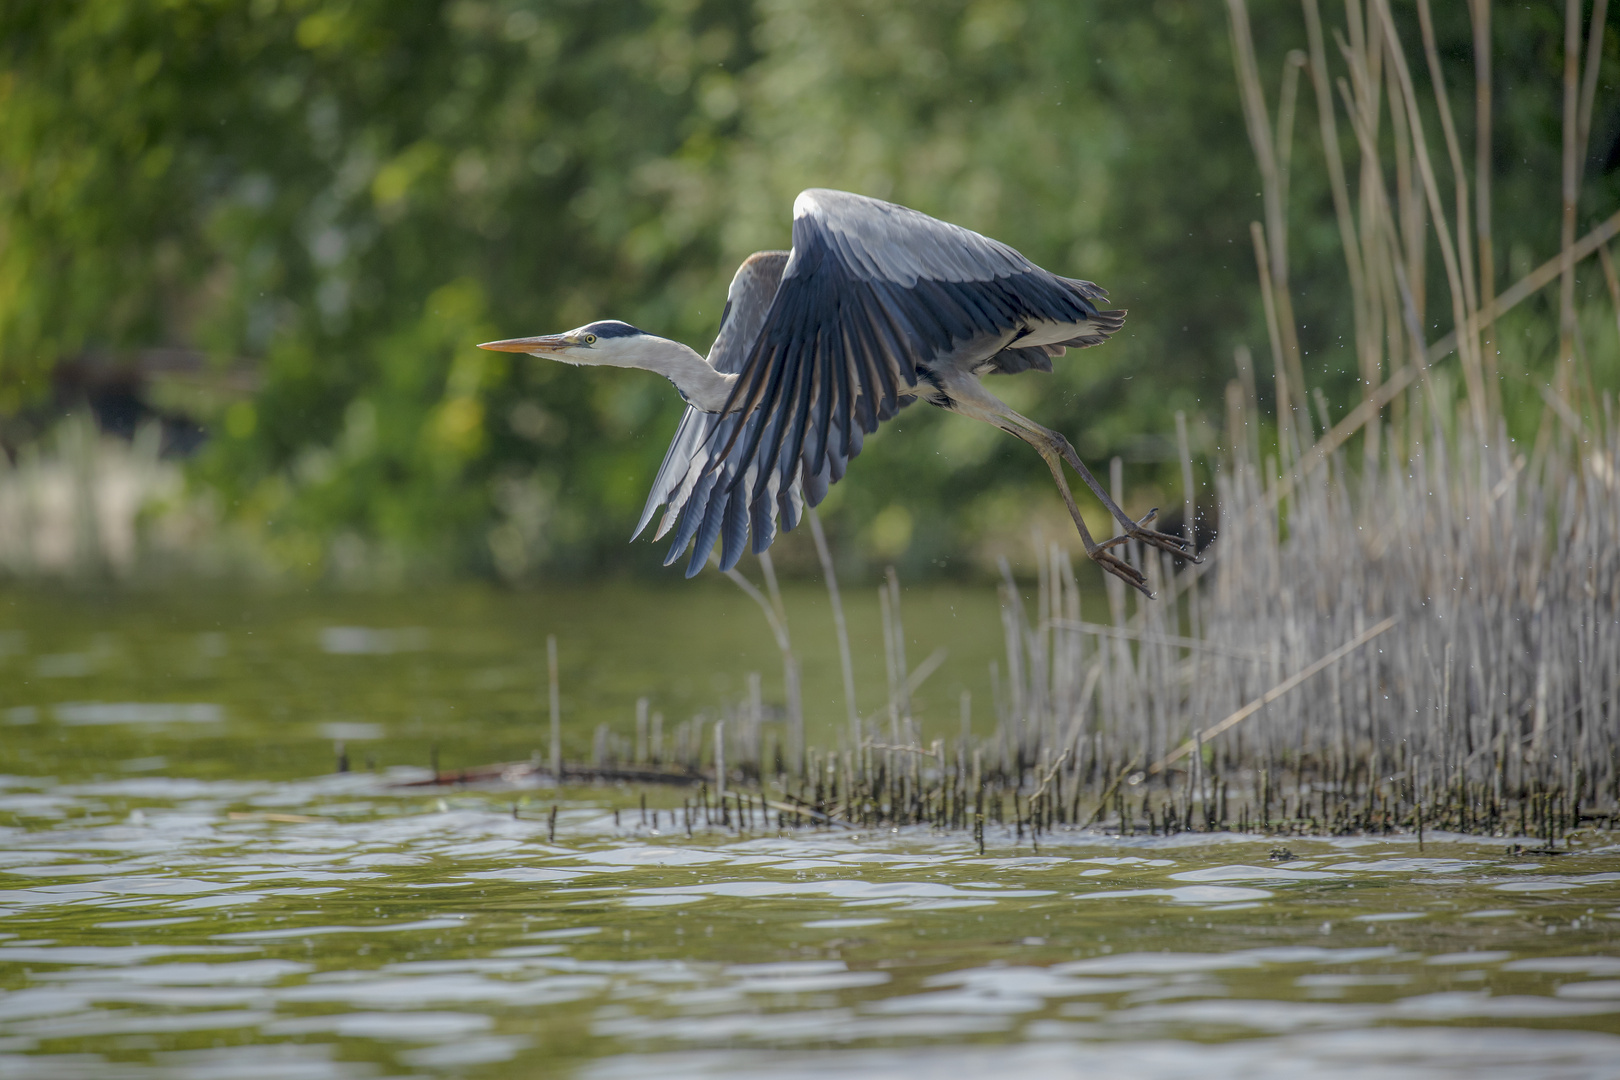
[[322, 204]]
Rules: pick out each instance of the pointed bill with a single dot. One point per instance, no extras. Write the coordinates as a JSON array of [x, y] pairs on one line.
[[538, 346]]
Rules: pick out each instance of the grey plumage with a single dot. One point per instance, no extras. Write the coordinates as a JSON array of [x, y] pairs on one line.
[[875, 307], [834, 338]]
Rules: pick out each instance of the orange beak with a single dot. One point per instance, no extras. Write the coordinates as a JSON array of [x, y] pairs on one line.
[[540, 346]]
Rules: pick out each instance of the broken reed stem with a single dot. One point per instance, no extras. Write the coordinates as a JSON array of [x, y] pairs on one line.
[[1270, 695]]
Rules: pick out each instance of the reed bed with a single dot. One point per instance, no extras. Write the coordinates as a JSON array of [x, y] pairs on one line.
[[1410, 621], [1488, 706]]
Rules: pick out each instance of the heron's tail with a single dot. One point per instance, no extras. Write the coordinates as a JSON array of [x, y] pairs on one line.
[[1099, 328]]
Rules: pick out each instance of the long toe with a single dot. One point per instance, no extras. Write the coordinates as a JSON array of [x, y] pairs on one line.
[[1122, 570], [1175, 545]]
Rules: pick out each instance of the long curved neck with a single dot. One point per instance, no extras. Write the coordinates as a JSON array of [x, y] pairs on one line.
[[703, 387]]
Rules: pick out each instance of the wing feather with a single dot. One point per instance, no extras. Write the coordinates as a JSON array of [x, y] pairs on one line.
[[830, 340], [764, 521], [692, 515], [734, 535]]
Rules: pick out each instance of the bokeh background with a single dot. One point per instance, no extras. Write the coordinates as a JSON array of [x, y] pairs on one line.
[[246, 247]]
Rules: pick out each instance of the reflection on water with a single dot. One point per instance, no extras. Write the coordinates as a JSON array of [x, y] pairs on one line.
[[176, 903]]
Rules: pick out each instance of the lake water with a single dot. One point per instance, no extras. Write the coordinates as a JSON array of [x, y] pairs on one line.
[[187, 890]]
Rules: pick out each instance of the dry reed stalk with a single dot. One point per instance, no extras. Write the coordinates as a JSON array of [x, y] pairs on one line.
[[1270, 299], [1467, 349], [1401, 379], [554, 699], [1612, 280], [1328, 123], [897, 624], [845, 666], [790, 663], [1269, 696], [1570, 188], [1479, 19], [1465, 253], [776, 617], [1479, 16], [1272, 239], [1583, 125]]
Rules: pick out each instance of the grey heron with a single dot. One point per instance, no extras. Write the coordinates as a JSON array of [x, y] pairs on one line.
[[875, 307]]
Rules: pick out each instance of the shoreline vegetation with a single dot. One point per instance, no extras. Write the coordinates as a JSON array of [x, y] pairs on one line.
[[1409, 621]]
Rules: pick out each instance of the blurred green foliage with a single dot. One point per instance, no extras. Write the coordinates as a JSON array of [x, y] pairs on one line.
[[347, 194]]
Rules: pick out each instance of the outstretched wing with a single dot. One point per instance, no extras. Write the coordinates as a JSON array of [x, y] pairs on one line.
[[698, 499], [871, 296]]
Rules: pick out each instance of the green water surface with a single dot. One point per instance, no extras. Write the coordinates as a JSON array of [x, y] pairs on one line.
[[187, 890]]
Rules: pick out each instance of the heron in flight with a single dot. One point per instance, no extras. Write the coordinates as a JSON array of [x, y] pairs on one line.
[[876, 306]]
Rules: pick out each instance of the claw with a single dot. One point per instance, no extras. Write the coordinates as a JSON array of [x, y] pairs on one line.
[[1175, 545], [1120, 569]]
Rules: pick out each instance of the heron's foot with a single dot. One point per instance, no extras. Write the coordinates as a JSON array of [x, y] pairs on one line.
[[1175, 545], [1121, 569]]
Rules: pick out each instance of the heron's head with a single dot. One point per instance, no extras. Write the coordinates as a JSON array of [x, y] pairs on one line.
[[606, 342]]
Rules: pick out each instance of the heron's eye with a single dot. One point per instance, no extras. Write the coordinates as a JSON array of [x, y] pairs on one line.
[[590, 339]]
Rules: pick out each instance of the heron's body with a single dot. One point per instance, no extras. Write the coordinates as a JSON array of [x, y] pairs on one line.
[[875, 307]]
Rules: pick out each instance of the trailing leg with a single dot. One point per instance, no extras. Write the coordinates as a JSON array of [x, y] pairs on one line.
[[1136, 530], [1098, 553], [962, 393]]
